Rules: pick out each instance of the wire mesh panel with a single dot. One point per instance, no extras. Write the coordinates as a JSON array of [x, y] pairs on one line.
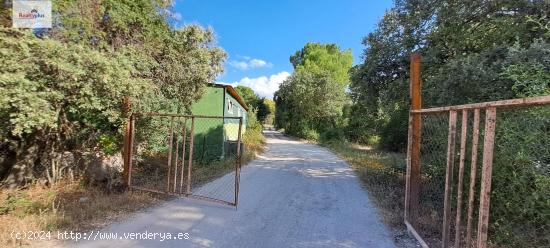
[[180, 155], [152, 152], [216, 151], [433, 163], [520, 199]]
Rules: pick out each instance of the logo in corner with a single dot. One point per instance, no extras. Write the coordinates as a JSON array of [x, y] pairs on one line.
[[32, 14]]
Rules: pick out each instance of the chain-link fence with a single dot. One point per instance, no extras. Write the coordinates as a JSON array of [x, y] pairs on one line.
[[193, 156], [484, 175]]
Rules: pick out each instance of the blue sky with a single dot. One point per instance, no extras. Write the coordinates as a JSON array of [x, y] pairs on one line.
[[259, 36]]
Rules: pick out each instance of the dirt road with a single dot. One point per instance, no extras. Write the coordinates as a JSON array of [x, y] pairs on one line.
[[294, 195]]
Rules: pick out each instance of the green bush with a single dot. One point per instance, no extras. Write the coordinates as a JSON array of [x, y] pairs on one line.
[[393, 136], [61, 94], [253, 137], [333, 135], [309, 134], [109, 144]]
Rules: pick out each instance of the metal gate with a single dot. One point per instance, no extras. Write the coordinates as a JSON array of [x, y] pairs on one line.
[[452, 153], [185, 155]]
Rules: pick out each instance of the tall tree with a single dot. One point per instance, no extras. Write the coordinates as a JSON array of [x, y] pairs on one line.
[[311, 100], [324, 58], [466, 47], [248, 95], [75, 74]]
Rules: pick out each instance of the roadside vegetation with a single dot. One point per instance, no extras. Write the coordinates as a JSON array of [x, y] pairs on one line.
[[65, 206], [472, 52], [61, 110]]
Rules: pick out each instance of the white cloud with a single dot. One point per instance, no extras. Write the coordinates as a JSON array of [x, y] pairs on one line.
[[241, 65], [264, 86], [257, 63], [249, 63]]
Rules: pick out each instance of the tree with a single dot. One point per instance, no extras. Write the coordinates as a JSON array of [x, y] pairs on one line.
[[254, 102], [267, 111], [324, 58], [61, 88], [310, 101], [473, 51], [248, 95], [465, 46]]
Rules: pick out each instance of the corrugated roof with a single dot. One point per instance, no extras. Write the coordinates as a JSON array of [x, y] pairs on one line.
[[233, 93]]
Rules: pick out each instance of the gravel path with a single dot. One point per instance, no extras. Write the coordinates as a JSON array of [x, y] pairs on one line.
[[294, 195]]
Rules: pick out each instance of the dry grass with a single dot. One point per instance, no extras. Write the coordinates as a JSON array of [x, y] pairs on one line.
[[67, 206], [72, 206]]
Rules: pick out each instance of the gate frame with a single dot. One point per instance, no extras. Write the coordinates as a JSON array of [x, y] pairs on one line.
[[128, 154], [413, 183]]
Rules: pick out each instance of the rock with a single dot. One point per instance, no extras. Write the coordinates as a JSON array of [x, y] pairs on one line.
[[105, 171]]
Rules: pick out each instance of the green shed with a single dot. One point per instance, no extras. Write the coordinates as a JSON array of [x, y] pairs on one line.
[[215, 138]]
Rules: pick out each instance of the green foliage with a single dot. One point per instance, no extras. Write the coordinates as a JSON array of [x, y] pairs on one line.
[[472, 52], [60, 85], [109, 144], [261, 105], [22, 204], [253, 138], [248, 95], [311, 100], [393, 136], [63, 90], [529, 69], [333, 135], [14, 201], [324, 58], [266, 112]]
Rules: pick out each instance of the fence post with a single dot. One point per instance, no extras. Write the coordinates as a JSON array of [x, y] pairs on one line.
[[463, 141], [486, 173], [473, 177], [413, 150], [449, 178], [238, 162], [126, 109], [190, 162], [170, 147]]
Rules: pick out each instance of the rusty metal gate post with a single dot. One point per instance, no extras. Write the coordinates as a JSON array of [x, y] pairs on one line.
[[463, 141], [170, 146], [238, 163], [473, 177], [449, 178], [413, 150], [176, 163], [486, 172], [190, 164], [127, 141], [183, 155]]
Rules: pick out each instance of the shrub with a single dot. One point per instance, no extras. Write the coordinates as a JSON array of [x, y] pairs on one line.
[[253, 137], [309, 134], [333, 134], [394, 133]]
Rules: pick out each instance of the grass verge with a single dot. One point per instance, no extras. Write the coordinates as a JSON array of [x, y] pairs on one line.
[[66, 206], [73, 206]]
